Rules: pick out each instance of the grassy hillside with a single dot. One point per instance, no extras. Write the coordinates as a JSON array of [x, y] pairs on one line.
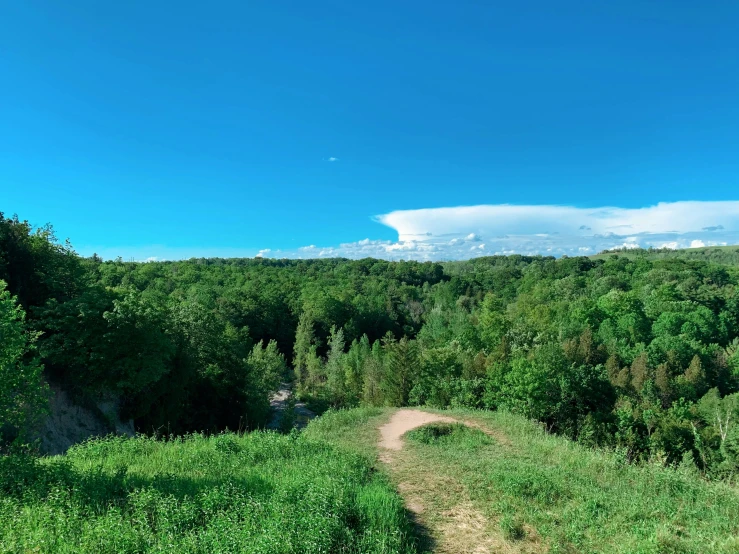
[[529, 491], [499, 483], [257, 493]]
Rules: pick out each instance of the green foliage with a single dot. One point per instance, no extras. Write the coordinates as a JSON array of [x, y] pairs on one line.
[[572, 498], [265, 368], [336, 386], [257, 493], [512, 528], [450, 435], [304, 340], [22, 390], [401, 367], [600, 349], [35, 266]]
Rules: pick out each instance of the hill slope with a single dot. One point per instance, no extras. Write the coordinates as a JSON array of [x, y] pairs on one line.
[[500, 483], [260, 493]]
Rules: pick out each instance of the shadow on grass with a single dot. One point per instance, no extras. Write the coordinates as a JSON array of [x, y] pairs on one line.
[[23, 477], [190, 500], [422, 538]]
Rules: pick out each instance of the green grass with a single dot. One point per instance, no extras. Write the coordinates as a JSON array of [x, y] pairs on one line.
[[355, 429], [559, 495], [582, 500], [257, 493], [450, 435], [317, 492]]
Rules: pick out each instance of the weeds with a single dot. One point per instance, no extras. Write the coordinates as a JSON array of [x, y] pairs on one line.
[[257, 493], [575, 498], [512, 528], [445, 434]]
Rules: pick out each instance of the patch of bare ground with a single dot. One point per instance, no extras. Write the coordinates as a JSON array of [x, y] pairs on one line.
[[438, 501]]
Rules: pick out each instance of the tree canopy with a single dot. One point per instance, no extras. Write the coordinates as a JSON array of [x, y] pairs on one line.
[[637, 351]]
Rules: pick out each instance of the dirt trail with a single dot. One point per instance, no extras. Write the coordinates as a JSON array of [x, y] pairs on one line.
[[404, 421], [439, 501]]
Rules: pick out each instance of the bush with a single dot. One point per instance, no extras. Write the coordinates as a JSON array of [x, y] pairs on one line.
[[22, 390]]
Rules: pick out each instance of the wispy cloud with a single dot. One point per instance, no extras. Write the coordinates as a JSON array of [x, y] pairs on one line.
[[470, 231], [332, 159]]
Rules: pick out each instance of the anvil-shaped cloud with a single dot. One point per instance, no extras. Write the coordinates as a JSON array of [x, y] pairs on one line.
[[471, 231], [495, 220], [458, 233]]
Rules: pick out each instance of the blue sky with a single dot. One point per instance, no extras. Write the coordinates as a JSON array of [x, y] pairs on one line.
[[177, 129]]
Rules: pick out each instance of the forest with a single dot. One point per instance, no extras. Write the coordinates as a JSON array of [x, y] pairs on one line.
[[635, 352]]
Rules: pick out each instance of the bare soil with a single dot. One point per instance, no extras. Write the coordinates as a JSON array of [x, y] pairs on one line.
[[403, 421], [440, 503]]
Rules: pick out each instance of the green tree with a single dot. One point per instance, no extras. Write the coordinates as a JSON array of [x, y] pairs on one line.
[[106, 340], [305, 339], [35, 265], [373, 370], [401, 368], [640, 372], [335, 372], [493, 322], [22, 389], [266, 367], [356, 360]]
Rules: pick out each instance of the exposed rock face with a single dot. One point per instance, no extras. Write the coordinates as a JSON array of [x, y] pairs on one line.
[[69, 423], [281, 402]]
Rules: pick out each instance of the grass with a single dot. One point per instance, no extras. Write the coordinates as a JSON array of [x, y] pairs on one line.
[[503, 485], [256, 493], [593, 501], [450, 435], [355, 429], [539, 492], [581, 500]]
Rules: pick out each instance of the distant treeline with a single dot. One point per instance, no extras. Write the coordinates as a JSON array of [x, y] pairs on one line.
[[636, 351], [726, 255]]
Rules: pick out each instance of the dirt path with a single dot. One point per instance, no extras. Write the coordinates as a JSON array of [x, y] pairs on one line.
[[404, 421], [439, 502]]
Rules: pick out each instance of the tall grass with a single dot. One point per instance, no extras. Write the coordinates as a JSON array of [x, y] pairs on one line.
[[257, 493], [578, 499], [354, 429]]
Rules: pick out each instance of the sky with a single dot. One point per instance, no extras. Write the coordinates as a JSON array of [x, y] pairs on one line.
[[402, 130]]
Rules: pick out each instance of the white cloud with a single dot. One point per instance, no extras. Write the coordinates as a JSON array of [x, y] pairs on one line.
[[485, 220], [471, 231], [446, 233], [332, 159]]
